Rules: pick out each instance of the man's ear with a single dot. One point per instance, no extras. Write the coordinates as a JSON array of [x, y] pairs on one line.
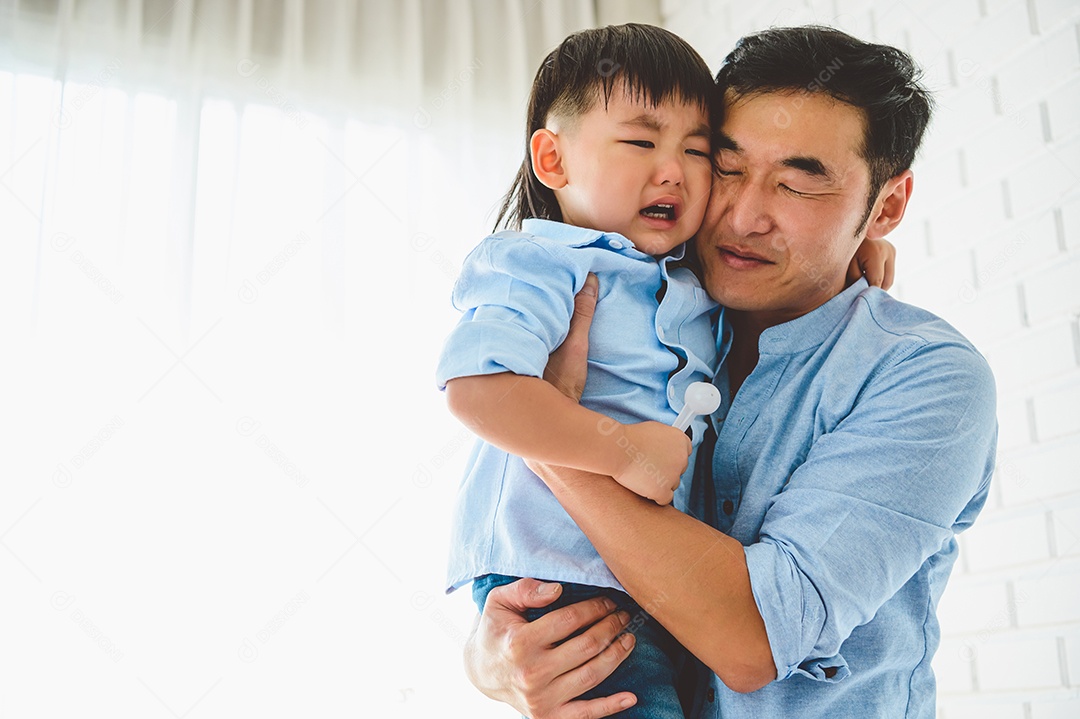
[[547, 161], [890, 206]]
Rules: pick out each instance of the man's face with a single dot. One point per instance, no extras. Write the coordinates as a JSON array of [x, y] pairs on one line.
[[783, 221], [638, 170]]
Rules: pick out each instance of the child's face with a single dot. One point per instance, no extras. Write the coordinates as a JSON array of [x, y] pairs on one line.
[[644, 172]]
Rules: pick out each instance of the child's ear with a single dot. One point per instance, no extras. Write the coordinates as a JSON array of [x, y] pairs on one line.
[[547, 159], [889, 209]]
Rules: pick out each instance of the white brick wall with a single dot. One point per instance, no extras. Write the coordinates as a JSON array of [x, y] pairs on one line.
[[982, 710], [1060, 709], [1042, 473], [1066, 537], [991, 242], [1048, 598], [1054, 289], [1007, 541]]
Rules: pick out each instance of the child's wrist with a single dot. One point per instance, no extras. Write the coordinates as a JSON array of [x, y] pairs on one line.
[[619, 444]]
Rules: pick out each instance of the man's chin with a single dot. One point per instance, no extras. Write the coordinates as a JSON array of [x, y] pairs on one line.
[[744, 300], [744, 287]]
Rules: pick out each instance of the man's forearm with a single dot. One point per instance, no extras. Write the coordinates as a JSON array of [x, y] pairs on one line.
[[690, 577]]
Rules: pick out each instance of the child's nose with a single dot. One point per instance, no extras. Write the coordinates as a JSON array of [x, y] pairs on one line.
[[670, 170]]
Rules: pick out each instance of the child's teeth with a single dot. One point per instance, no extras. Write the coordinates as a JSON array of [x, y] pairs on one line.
[[660, 211]]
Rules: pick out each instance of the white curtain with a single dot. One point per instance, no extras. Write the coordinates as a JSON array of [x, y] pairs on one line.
[[192, 84], [230, 233]]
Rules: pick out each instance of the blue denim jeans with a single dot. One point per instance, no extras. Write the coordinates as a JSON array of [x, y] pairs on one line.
[[658, 671]]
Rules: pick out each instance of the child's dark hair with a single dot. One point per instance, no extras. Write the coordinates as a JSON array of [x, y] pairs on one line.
[[880, 80], [652, 63]]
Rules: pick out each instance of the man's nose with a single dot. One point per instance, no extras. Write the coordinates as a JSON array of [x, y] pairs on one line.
[[747, 210]]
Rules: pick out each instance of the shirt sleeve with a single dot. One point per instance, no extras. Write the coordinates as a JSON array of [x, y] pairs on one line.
[[517, 296], [876, 497]]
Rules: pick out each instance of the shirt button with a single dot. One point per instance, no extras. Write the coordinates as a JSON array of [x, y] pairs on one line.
[[615, 244], [729, 507], [711, 695]]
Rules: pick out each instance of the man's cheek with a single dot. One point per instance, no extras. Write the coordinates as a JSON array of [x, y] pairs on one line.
[[714, 209]]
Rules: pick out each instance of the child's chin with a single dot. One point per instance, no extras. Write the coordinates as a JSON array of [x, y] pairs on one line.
[[656, 246]]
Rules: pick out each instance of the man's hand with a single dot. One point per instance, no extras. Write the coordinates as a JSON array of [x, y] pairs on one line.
[[656, 457], [568, 365], [529, 666], [656, 454]]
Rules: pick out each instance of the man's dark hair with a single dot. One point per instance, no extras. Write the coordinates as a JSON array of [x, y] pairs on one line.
[[653, 65], [880, 80]]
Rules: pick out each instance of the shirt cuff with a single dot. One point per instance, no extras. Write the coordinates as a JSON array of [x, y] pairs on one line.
[[829, 670], [483, 347], [793, 614]]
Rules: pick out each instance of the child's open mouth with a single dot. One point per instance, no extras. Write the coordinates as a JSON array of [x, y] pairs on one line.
[[659, 212]]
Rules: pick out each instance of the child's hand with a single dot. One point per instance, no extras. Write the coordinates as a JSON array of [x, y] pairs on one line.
[[656, 457], [875, 260]]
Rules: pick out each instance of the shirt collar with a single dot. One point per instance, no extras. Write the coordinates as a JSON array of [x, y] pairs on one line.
[[801, 333], [573, 236], [563, 233], [811, 329]]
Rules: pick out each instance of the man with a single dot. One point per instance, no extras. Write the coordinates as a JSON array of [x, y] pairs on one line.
[[857, 436]]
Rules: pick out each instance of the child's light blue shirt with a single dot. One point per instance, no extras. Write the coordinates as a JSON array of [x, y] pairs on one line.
[[652, 335]]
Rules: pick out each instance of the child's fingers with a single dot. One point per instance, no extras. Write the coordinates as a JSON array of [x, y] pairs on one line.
[[854, 272], [874, 275], [890, 275]]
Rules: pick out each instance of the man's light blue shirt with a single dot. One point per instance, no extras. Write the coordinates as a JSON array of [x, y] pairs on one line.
[[861, 443], [652, 335]]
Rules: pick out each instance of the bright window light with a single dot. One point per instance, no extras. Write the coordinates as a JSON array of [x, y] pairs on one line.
[[226, 319]]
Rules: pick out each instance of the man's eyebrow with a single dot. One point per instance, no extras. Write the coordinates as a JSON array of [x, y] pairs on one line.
[[809, 165], [803, 163]]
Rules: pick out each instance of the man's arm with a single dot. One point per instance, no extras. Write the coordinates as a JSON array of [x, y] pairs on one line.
[[690, 577], [904, 470], [876, 497]]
